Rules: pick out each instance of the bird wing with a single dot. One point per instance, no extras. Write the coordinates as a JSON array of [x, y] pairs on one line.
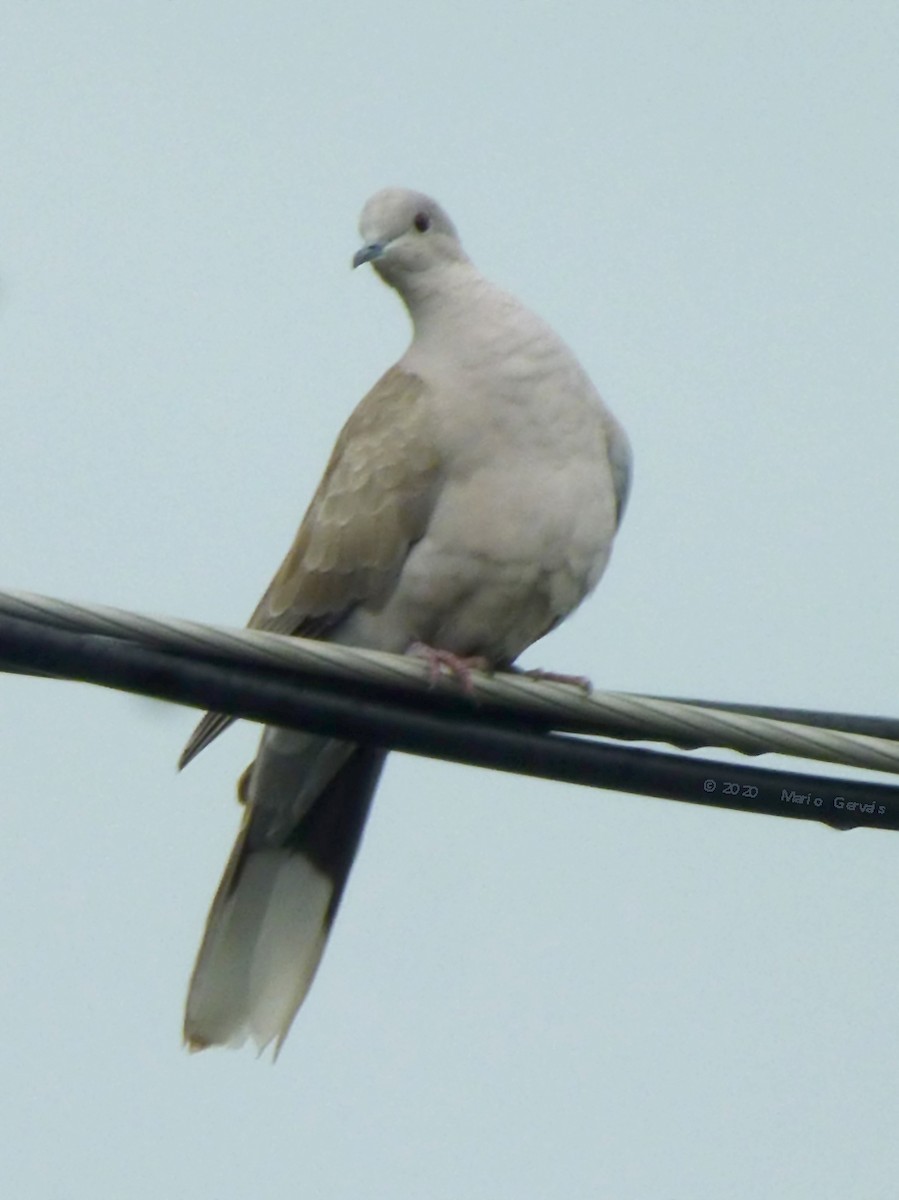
[[621, 461], [373, 503]]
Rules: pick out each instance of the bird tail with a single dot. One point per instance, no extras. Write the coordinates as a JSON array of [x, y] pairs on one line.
[[278, 897]]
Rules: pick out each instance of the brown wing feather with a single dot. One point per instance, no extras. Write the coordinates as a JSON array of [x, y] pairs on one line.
[[373, 503], [211, 724]]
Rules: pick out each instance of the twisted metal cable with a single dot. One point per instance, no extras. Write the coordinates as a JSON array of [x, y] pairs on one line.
[[686, 724], [881, 727]]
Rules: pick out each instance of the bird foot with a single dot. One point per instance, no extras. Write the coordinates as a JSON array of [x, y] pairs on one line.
[[581, 682], [443, 662]]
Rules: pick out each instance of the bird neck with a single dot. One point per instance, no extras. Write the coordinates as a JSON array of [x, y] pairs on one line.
[[440, 295]]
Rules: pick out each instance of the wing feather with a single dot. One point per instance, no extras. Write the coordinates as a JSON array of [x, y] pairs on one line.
[[373, 503]]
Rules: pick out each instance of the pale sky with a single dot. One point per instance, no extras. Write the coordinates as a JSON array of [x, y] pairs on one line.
[[531, 990]]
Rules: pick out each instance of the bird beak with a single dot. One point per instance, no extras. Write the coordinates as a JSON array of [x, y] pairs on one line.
[[368, 253]]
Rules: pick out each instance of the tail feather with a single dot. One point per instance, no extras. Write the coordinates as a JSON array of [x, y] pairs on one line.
[[271, 916]]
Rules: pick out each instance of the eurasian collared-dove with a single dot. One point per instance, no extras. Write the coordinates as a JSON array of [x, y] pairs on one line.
[[469, 505]]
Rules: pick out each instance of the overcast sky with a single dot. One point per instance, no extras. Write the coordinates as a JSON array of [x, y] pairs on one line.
[[532, 990]]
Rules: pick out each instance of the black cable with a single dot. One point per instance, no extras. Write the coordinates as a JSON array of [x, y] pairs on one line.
[[434, 726]]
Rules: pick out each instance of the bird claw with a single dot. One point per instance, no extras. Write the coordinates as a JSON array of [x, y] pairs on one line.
[[443, 662], [581, 682]]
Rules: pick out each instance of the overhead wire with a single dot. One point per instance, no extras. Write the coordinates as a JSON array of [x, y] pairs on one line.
[[505, 721]]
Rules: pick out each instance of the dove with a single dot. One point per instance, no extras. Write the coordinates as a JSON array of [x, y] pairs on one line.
[[469, 505]]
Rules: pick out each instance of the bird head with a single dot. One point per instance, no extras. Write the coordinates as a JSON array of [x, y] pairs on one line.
[[404, 234]]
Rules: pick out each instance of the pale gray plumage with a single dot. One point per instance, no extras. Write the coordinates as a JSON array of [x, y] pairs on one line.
[[470, 504]]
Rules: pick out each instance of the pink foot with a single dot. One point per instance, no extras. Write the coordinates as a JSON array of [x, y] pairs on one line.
[[444, 662], [579, 681]]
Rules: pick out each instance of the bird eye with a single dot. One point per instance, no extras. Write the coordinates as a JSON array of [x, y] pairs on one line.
[[422, 222]]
